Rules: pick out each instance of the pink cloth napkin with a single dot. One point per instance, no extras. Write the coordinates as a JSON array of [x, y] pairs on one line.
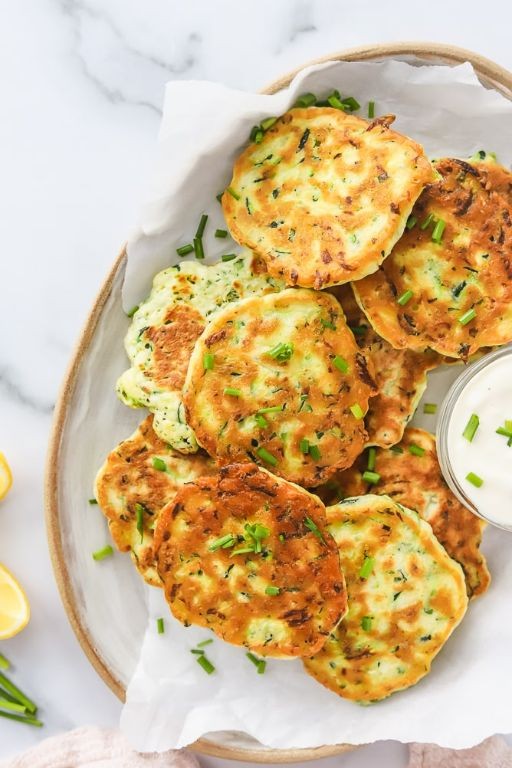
[[96, 748]]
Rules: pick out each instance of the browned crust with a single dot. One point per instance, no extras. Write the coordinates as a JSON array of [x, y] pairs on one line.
[[490, 73], [204, 587], [173, 342]]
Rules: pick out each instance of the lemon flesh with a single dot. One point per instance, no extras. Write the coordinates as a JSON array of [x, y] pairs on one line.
[[14, 607]]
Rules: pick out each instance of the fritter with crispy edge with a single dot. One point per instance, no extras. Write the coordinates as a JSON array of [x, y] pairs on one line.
[[494, 175], [405, 595], [164, 330], [137, 479], [247, 555], [448, 282], [325, 195], [400, 374], [416, 481], [280, 380]]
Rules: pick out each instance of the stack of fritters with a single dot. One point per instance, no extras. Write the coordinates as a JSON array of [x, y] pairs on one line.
[[266, 391]]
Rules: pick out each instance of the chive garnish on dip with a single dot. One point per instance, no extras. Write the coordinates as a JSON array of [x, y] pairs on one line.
[[474, 479], [471, 427]]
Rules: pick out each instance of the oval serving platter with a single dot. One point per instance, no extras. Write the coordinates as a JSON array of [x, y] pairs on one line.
[[110, 624]]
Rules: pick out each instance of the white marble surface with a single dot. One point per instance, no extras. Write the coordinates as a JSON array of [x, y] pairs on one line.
[[82, 85]]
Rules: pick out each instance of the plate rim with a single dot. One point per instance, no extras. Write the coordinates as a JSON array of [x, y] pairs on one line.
[[489, 72]]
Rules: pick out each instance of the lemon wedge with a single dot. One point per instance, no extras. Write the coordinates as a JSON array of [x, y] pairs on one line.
[[14, 607], [5, 476]]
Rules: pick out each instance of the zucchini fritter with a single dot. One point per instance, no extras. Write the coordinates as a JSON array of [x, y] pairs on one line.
[[417, 482], [137, 479], [164, 330], [246, 554], [280, 380], [406, 596], [448, 282], [325, 195]]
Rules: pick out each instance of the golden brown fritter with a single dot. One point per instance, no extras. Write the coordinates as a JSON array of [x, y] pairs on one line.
[[325, 195], [406, 596], [450, 290], [137, 479], [417, 482], [280, 380], [246, 554]]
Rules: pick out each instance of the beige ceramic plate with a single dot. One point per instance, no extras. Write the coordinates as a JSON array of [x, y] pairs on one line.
[[110, 626]]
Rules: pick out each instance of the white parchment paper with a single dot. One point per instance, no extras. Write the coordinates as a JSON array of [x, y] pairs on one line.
[[170, 700]]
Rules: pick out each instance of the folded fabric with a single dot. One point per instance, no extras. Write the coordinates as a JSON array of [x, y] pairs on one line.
[[491, 753], [96, 748]]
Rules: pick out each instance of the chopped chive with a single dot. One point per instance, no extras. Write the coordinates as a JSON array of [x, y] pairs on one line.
[[350, 104], [504, 432], [224, 541], [328, 324], [334, 101], [202, 225], [357, 411], [416, 450], [281, 352], [198, 248], [372, 457], [430, 408], [396, 449], [508, 425], [197, 652], [313, 527], [282, 537], [314, 452], [306, 100], [228, 256], [474, 479], [471, 427], [341, 364], [411, 222], [304, 445], [233, 193], [427, 222], [139, 512], [132, 311], [371, 477], [205, 664], [232, 391], [204, 643], [261, 421], [15, 692], [4, 663], [260, 664], [242, 551], [208, 361], [101, 554], [93, 501], [256, 134], [366, 623], [11, 706], [221, 233], [183, 250], [271, 409], [366, 568], [268, 123], [159, 464], [22, 719], [405, 298], [267, 456], [358, 330], [371, 109], [437, 232], [160, 628], [467, 317], [272, 590]]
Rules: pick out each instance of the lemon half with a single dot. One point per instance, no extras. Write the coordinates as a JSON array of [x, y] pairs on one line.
[[14, 607], [5, 476]]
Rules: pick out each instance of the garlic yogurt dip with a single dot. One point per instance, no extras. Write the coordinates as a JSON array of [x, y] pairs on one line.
[[475, 437]]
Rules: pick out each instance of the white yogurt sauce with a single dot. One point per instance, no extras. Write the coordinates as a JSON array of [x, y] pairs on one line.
[[489, 395]]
